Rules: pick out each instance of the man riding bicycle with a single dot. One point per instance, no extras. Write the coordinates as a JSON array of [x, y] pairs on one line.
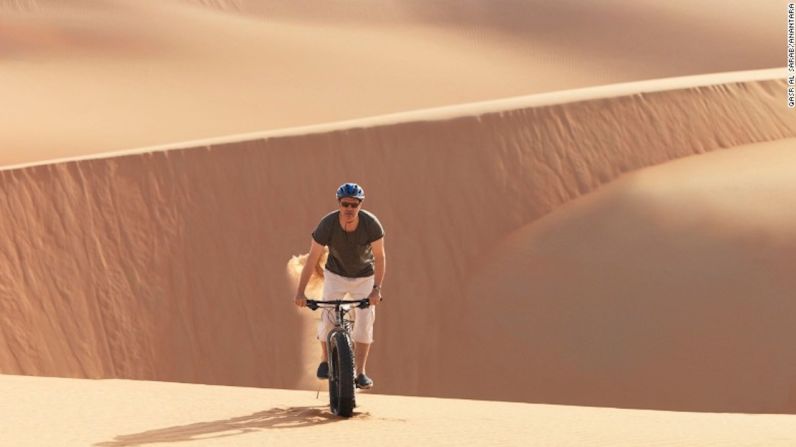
[[355, 266]]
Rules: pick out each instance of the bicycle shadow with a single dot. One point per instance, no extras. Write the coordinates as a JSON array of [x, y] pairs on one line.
[[275, 418]]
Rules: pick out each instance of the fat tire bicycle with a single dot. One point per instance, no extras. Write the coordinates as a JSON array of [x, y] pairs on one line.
[[340, 350]]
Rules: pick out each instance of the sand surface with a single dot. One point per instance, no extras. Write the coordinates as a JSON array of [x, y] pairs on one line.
[[671, 288], [84, 77], [121, 413]]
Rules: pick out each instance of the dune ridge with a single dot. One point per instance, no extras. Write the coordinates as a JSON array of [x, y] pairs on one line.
[[172, 265], [474, 109]]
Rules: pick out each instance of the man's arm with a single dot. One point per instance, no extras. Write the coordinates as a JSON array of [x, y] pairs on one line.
[[380, 268], [316, 250]]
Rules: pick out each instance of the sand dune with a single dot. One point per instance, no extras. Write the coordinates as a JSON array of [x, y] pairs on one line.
[[91, 77], [171, 265], [120, 413], [671, 288]]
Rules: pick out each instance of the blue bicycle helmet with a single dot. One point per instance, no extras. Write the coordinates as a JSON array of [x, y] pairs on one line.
[[350, 190]]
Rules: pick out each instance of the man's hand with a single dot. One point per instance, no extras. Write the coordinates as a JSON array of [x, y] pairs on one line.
[[300, 300], [375, 297]]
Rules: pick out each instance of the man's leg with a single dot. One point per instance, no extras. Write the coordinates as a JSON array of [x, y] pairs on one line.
[[331, 291], [323, 367], [363, 338], [324, 327], [362, 356]]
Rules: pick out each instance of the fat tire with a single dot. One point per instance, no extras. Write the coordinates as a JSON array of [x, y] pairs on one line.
[[342, 395]]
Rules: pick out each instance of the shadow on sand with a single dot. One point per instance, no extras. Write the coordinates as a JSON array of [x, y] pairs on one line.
[[274, 418]]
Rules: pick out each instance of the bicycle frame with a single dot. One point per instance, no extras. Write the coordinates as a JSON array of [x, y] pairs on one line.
[[341, 324], [340, 352]]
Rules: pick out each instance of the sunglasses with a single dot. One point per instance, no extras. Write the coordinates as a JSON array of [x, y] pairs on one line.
[[349, 204]]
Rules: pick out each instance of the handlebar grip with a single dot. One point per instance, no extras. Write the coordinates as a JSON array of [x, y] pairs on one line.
[[312, 305], [364, 304]]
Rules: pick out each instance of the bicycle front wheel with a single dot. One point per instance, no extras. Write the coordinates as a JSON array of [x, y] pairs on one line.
[[341, 382]]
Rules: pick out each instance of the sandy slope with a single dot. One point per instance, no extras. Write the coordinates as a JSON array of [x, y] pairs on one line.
[[88, 77], [672, 287], [171, 265], [119, 413]]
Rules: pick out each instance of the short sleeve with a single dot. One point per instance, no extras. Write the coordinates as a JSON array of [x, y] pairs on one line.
[[375, 230], [323, 233]]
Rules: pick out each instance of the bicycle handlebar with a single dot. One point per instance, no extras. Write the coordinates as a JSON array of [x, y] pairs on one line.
[[315, 304]]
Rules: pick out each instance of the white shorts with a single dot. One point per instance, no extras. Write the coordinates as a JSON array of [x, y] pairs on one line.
[[336, 287]]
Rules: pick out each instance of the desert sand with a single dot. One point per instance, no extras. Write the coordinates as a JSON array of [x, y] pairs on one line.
[[84, 77], [122, 413], [678, 275], [585, 221]]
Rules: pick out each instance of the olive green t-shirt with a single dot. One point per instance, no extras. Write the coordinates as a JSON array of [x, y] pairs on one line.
[[350, 254]]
